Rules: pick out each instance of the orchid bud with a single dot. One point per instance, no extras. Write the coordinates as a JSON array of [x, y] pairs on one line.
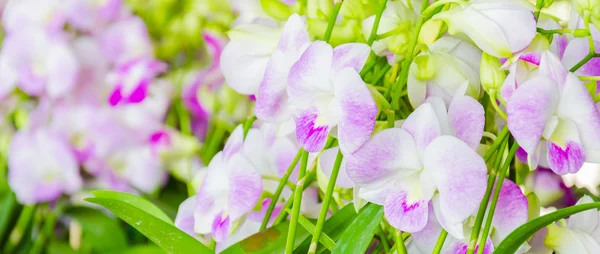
[[490, 74]]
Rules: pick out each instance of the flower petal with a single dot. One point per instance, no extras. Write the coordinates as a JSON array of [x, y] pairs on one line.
[[221, 227], [466, 117], [350, 55], [359, 110], [406, 215], [551, 67], [460, 175], [310, 132], [234, 142], [185, 215], [529, 107], [565, 152], [294, 36], [309, 77], [245, 186], [387, 152], [272, 100], [511, 210], [423, 125]]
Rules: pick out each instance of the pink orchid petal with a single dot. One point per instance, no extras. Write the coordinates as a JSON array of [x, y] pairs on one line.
[[423, 125], [460, 175], [406, 215], [234, 142], [565, 159], [272, 102], [185, 215], [577, 105], [310, 135], [511, 210], [352, 55], [386, 153], [221, 227], [359, 110], [551, 67], [309, 77], [425, 239], [529, 108], [467, 119], [245, 186], [294, 35]]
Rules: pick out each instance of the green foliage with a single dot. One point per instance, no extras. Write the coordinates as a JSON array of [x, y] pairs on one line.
[[149, 221], [358, 235], [100, 233], [520, 235]]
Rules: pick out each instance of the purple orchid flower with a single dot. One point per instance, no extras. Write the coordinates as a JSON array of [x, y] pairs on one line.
[[125, 40], [511, 212], [327, 91], [431, 157], [38, 63], [554, 111], [272, 103], [581, 233], [42, 166], [132, 79], [230, 189]]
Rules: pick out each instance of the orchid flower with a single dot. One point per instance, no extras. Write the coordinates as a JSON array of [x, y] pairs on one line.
[[38, 63], [272, 103], [554, 111], [396, 18], [498, 27], [91, 15], [511, 212], [327, 91], [580, 235], [230, 189], [244, 59], [125, 40], [42, 166], [132, 79], [450, 65], [431, 157], [43, 14]]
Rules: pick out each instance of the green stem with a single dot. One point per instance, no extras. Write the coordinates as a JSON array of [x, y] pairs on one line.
[[583, 61], [22, 223], [375, 27], [496, 107], [184, 119], [48, 229], [213, 143], [383, 239], [399, 243], [371, 62], [440, 242], [501, 176], [248, 125], [289, 247], [395, 89], [280, 187], [538, 9], [379, 75], [499, 140], [212, 244], [327, 199], [485, 200], [332, 18], [554, 31], [589, 78]]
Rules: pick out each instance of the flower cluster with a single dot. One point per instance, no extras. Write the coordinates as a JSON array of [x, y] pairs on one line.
[[460, 120]]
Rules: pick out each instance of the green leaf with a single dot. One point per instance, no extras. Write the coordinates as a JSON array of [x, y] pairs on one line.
[[8, 203], [334, 226], [135, 201], [359, 234], [57, 247], [163, 233], [99, 231], [514, 240], [143, 249], [270, 240]]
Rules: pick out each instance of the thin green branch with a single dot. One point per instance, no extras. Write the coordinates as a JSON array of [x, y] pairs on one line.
[[501, 176], [326, 200], [399, 243], [279, 189], [289, 247], [332, 18], [440, 242], [375, 27]]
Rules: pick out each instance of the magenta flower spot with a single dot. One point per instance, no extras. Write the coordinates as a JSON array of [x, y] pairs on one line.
[[311, 136], [567, 159]]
